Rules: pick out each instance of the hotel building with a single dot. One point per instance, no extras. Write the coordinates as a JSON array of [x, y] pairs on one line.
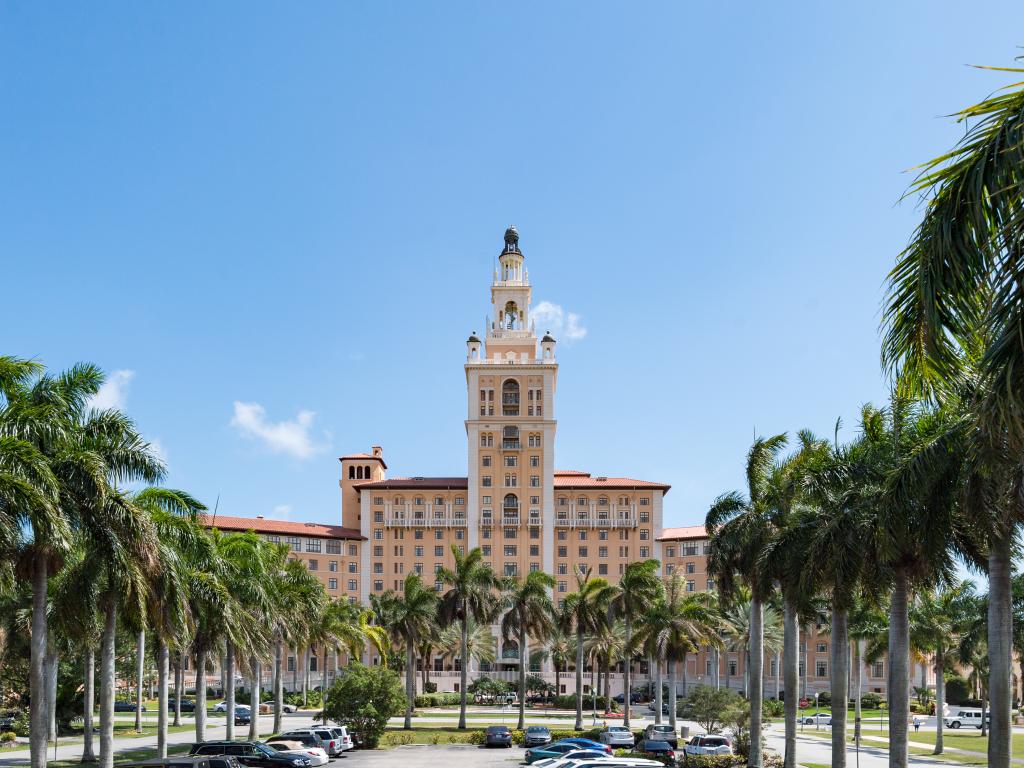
[[512, 502]]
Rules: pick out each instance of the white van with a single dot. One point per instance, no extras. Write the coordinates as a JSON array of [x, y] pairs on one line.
[[962, 717]]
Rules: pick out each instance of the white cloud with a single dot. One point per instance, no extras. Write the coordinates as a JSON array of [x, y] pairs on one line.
[[114, 392], [158, 448], [292, 437], [565, 326], [282, 511]]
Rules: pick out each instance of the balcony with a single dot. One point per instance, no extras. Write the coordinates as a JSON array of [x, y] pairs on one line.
[[508, 519], [511, 445]]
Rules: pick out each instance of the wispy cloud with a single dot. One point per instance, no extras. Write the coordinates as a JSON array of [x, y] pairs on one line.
[[114, 392], [565, 326], [158, 448], [293, 437], [282, 511]]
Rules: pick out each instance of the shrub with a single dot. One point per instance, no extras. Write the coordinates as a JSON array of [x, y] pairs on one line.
[[710, 706], [21, 723], [825, 698], [568, 701], [871, 700], [8, 737], [773, 708], [957, 690], [430, 687], [436, 699], [365, 699]]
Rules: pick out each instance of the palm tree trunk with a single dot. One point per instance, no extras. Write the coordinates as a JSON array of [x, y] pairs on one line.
[[778, 673], [673, 665], [716, 668], [254, 704], [305, 677], [162, 659], [840, 677], [791, 659], [410, 683], [52, 666], [323, 678], [899, 662], [756, 672], [579, 681], [89, 701], [940, 695], [179, 683], [686, 662], [200, 697], [984, 713], [140, 670], [1000, 649], [107, 685], [522, 679], [858, 661], [295, 670], [659, 696], [627, 661], [463, 667], [229, 691], [608, 682], [278, 686], [38, 716]]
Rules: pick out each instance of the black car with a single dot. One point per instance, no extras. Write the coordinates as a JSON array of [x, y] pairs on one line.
[[498, 736], [655, 748], [251, 753], [634, 698], [126, 706], [187, 705]]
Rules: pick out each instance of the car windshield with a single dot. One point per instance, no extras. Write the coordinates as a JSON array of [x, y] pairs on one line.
[[265, 749], [497, 729], [536, 729]]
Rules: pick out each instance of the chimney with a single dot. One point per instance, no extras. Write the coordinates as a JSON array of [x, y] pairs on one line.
[[378, 452]]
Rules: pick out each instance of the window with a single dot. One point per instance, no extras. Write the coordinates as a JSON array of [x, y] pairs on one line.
[[510, 533], [602, 569], [691, 568], [581, 501], [602, 535], [691, 586], [510, 550], [511, 481], [645, 502], [535, 461], [352, 585], [562, 569], [399, 567], [486, 440], [733, 669], [353, 567], [563, 501], [314, 565], [562, 534], [295, 543], [274, 539], [378, 585], [822, 647], [486, 500], [669, 569], [417, 534], [438, 551], [486, 533], [670, 551], [353, 550], [534, 567], [645, 552], [378, 533], [821, 668], [510, 461], [438, 501], [534, 550], [561, 586], [332, 566], [486, 461], [378, 567], [711, 584], [459, 534], [399, 550], [645, 517], [485, 481], [333, 547], [583, 551], [418, 551], [378, 499], [563, 551], [583, 535], [602, 551], [332, 583], [878, 669], [378, 551], [510, 398], [438, 534], [535, 481], [535, 500], [645, 534], [486, 550], [511, 569]]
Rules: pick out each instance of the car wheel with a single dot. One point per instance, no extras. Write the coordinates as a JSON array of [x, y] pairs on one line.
[[955, 724]]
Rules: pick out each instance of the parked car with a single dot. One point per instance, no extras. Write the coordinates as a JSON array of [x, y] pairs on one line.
[[536, 735], [255, 754], [285, 706], [609, 762], [126, 706], [634, 698], [222, 706], [662, 733], [821, 718], [330, 743], [341, 733], [187, 705], [708, 744], [172, 762], [617, 736], [498, 736], [656, 748], [568, 758], [586, 743], [243, 715], [565, 747], [960, 717], [316, 755]]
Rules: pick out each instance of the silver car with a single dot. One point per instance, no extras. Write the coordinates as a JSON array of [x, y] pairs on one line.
[[617, 736]]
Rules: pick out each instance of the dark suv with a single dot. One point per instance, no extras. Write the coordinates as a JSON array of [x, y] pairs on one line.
[[250, 753]]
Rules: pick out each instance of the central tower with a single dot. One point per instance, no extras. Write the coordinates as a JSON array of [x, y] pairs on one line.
[[510, 427]]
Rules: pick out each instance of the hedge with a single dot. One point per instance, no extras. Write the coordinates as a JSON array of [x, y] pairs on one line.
[[729, 761], [568, 701], [436, 699]]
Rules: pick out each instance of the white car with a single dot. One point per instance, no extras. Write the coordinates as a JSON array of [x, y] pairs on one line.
[[575, 755], [961, 717], [316, 755], [221, 707], [708, 744], [822, 718], [608, 762], [616, 736], [285, 707]]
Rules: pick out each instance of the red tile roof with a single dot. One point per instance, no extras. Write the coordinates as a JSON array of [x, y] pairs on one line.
[[395, 483], [280, 527], [686, 532], [583, 480], [363, 457], [564, 472]]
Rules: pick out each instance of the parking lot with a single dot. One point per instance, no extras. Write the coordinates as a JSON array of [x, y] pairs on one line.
[[434, 756]]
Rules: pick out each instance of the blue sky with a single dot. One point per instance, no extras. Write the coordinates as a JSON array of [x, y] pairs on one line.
[[274, 224]]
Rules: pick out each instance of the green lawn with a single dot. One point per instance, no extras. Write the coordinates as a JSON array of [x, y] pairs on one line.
[[394, 737]]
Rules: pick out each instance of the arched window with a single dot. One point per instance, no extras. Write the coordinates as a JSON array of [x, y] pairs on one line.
[[351, 472], [511, 319], [563, 501], [439, 501], [418, 501], [366, 472], [399, 501], [359, 473], [511, 503], [510, 398], [602, 501]]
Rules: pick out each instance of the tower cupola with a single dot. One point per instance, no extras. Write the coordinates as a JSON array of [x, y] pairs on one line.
[[473, 348], [511, 260]]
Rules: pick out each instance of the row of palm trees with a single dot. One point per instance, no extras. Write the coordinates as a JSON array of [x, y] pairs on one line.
[[91, 547]]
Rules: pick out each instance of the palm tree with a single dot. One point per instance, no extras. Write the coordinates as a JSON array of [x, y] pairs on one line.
[[528, 613], [586, 609], [415, 610], [470, 596], [935, 620], [740, 529], [679, 624], [867, 622], [561, 647], [627, 601], [954, 304], [740, 618], [604, 646]]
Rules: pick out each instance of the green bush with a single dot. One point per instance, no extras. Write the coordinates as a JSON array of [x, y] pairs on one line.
[[957, 690], [7, 737], [773, 708], [436, 699], [825, 698], [477, 737], [871, 700], [365, 699], [730, 761], [21, 723], [430, 687], [568, 701]]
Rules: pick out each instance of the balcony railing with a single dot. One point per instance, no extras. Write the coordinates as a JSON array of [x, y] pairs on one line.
[[511, 445], [510, 519]]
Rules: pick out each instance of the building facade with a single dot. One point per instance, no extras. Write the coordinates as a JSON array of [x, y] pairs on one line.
[[512, 502]]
